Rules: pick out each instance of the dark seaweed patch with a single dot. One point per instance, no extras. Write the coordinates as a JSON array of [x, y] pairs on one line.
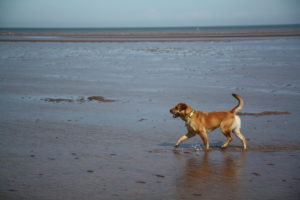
[[58, 100], [79, 99], [100, 99], [263, 113], [159, 175], [256, 174], [141, 182]]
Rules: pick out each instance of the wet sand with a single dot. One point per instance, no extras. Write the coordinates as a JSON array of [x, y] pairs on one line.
[[92, 121]]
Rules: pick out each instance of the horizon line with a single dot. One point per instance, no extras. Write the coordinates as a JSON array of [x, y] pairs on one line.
[[132, 27]]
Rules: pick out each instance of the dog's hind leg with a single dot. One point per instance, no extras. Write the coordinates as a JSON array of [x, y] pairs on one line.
[[237, 131], [226, 132], [225, 127]]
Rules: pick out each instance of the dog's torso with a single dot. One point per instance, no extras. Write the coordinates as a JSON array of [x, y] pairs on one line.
[[208, 121]]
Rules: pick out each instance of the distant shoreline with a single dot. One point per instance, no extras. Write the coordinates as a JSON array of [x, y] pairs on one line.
[[151, 29], [146, 34]]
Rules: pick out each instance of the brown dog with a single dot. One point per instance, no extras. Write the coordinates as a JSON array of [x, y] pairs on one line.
[[205, 122]]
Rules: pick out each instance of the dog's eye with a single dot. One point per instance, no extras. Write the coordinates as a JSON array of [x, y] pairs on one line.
[[176, 108]]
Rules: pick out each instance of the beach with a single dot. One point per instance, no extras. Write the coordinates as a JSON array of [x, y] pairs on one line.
[[88, 117]]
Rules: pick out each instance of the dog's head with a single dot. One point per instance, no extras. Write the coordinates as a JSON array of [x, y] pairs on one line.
[[180, 110]]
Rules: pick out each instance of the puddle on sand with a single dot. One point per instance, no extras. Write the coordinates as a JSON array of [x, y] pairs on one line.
[[190, 149]]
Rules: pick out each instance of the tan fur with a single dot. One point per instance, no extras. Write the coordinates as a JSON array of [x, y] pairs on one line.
[[204, 122]]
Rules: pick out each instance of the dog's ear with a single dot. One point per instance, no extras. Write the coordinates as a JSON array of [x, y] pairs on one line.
[[183, 106]]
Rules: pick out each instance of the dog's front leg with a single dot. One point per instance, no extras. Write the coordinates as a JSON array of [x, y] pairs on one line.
[[204, 138], [183, 138]]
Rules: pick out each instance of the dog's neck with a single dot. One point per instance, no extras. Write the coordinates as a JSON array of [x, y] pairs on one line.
[[189, 116]]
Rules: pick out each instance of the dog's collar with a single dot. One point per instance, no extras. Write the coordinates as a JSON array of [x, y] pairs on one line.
[[190, 115]]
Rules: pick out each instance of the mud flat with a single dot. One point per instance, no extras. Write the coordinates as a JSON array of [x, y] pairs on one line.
[[91, 120]]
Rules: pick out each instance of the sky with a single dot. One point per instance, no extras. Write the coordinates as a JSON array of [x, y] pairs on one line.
[[146, 13]]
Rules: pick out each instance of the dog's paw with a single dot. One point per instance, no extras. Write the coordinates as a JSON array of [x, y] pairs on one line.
[[176, 145]]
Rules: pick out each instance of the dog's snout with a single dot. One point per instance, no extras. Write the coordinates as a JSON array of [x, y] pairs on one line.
[[172, 111]]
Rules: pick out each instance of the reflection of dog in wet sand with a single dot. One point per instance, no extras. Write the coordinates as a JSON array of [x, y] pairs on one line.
[[204, 122]]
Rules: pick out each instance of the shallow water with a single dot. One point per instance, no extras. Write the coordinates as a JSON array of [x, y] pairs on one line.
[[124, 149]]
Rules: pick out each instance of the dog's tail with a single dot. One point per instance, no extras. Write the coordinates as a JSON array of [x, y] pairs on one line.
[[240, 105]]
